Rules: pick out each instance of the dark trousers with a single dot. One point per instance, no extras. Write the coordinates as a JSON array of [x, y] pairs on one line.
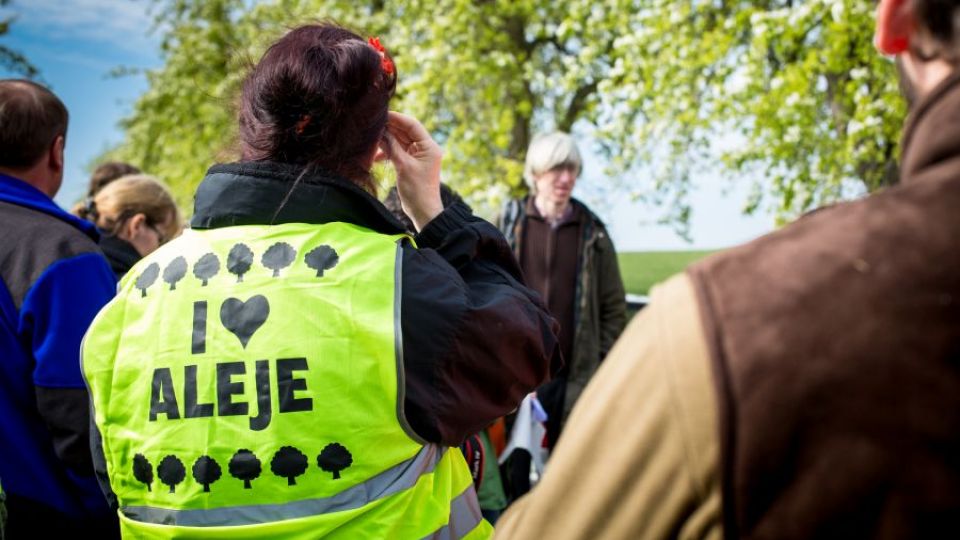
[[29, 519], [515, 472]]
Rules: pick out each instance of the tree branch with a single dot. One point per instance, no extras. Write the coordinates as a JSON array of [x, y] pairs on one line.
[[576, 106]]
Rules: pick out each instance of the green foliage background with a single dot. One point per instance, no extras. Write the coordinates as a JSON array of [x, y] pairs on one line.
[[788, 94], [641, 270]]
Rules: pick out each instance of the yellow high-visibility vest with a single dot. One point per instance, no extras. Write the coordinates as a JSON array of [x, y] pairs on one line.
[[247, 382]]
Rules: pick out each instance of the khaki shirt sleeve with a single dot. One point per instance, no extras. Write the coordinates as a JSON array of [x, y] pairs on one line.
[[638, 457]]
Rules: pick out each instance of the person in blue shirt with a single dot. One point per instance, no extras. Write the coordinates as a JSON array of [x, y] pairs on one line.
[[53, 281]]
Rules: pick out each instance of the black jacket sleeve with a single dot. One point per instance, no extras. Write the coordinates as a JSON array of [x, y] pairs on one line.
[[475, 339], [611, 295]]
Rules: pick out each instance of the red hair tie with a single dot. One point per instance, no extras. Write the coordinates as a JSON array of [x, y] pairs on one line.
[[302, 124], [385, 62]]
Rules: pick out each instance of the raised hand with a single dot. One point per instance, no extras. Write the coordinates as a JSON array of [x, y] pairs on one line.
[[416, 157]]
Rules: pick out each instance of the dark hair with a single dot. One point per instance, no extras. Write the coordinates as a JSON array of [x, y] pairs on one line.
[[318, 98], [938, 21], [108, 172], [31, 118]]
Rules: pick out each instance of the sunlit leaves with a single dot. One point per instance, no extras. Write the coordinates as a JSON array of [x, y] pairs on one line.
[[789, 93]]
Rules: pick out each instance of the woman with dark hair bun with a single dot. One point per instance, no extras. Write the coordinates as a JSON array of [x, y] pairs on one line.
[[296, 365]]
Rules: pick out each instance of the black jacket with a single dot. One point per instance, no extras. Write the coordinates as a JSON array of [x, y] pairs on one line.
[[475, 339], [120, 254]]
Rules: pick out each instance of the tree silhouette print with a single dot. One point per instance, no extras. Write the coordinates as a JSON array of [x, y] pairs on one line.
[[289, 463], [322, 258], [245, 466], [206, 471], [148, 278], [239, 261], [143, 470], [334, 458], [175, 271], [171, 471], [206, 268], [278, 256]]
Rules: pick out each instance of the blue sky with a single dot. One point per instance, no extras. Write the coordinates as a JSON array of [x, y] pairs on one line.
[[76, 43]]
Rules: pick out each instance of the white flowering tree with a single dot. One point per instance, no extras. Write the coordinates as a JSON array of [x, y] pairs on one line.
[[789, 93]]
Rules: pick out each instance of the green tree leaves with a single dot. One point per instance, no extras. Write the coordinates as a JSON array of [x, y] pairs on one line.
[[184, 123], [790, 92]]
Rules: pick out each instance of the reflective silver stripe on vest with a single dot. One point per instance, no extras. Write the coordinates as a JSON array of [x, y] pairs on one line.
[[398, 347], [464, 516], [394, 480]]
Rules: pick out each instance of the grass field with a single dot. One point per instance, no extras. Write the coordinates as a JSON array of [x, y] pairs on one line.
[[643, 269]]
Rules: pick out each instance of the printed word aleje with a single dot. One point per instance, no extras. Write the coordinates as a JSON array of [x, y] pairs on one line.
[[231, 378]]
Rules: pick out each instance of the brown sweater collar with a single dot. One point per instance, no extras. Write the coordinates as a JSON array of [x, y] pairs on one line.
[[932, 132], [572, 215]]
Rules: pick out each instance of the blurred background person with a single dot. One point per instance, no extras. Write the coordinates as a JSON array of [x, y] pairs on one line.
[[108, 172], [568, 257], [102, 175], [136, 214]]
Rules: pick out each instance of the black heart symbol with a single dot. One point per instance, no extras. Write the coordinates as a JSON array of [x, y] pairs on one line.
[[243, 319]]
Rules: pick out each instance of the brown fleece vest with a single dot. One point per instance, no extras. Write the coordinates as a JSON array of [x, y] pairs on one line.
[[836, 349]]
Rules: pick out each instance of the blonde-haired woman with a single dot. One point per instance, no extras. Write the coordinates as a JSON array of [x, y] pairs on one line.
[[136, 214]]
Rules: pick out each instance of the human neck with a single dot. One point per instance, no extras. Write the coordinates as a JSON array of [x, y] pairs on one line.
[[551, 210], [926, 76], [35, 176]]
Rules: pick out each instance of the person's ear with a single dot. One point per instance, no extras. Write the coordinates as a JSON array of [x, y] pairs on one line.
[[380, 153], [135, 227], [895, 26], [55, 159]]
